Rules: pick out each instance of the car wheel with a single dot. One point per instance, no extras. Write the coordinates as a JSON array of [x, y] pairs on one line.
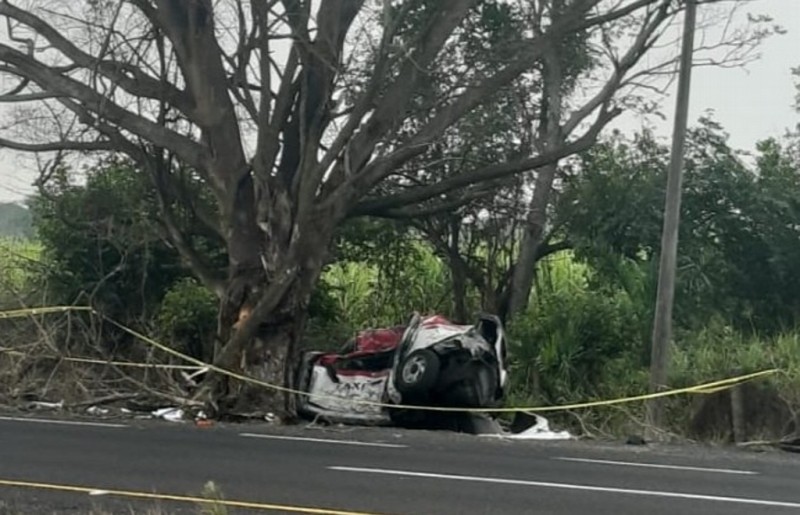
[[418, 373]]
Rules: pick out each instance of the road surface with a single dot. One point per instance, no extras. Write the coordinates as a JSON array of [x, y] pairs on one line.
[[47, 466]]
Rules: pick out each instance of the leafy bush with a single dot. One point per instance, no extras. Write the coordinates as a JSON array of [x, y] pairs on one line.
[[370, 294], [19, 266], [575, 343], [102, 242], [188, 317]]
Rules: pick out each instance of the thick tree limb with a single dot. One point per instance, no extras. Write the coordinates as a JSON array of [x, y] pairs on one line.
[[194, 261], [54, 146], [446, 206], [419, 194], [394, 103], [189, 24], [49, 79], [334, 19], [11, 97], [365, 102]]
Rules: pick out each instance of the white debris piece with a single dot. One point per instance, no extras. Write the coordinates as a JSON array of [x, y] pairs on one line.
[[96, 410], [171, 414], [46, 405], [541, 431]]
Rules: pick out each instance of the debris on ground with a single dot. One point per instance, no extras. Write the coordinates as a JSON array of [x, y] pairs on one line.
[[169, 414], [97, 411]]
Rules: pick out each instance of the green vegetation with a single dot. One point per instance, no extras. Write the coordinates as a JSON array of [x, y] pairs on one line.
[[20, 269], [15, 221], [447, 157], [585, 334]]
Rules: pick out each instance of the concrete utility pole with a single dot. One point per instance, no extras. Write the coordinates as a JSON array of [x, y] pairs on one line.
[[662, 324]]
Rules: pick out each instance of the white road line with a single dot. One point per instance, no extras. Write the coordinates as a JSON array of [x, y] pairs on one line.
[[324, 440], [61, 422], [659, 466], [570, 486]]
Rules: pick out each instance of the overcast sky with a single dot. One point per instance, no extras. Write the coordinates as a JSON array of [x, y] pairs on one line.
[[753, 103]]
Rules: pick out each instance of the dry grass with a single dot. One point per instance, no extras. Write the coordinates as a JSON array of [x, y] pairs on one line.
[[36, 371]]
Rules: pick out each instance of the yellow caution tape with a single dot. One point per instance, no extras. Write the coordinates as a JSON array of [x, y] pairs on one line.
[[705, 388], [141, 495], [94, 361]]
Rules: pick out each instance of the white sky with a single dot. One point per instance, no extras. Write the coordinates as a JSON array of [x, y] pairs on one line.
[[751, 104]]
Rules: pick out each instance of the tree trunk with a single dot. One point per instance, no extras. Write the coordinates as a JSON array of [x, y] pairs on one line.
[[525, 268], [459, 287], [458, 272], [272, 273], [269, 354], [551, 137]]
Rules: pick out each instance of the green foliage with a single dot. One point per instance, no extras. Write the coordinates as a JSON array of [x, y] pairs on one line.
[[188, 316], [15, 221], [102, 241], [19, 266], [370, 294], [738, 246], [719, 350], [104, 244], [573, 342]]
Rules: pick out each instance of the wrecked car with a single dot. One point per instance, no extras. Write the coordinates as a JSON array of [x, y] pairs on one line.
[[430, 362]]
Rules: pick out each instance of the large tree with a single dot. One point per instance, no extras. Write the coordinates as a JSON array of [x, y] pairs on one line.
[[492, 234], [291, 114]]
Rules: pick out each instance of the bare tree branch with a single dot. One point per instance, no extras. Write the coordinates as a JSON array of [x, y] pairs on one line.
[[128, 76], [80, 146], [498, 171]]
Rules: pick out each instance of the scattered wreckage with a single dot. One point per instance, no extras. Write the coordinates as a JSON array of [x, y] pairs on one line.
[[378, 376]]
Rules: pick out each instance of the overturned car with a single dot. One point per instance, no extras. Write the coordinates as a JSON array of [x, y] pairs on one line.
[[429, 362]]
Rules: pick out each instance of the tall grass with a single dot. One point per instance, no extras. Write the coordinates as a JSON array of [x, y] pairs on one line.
[[20, 261], [573, 341], [368, 295]]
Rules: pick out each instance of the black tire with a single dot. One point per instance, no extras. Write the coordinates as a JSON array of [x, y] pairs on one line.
[[418, 373]]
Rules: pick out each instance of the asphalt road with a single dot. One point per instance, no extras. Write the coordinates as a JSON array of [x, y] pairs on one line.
[[380, 471]]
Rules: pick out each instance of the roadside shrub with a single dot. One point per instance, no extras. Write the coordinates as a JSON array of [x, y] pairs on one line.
[[19, 269], [385, 294], [188, 318], [574, 343]]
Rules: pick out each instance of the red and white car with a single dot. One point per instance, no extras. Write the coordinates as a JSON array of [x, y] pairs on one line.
[[429, 362]]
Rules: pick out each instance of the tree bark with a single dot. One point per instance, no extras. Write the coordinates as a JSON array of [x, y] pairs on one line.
[[525, 269], [269, 354], [458, 272], [459, 279], [272, 272], [551, 138]]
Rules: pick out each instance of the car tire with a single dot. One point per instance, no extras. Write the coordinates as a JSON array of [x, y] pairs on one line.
[[418, 373]]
